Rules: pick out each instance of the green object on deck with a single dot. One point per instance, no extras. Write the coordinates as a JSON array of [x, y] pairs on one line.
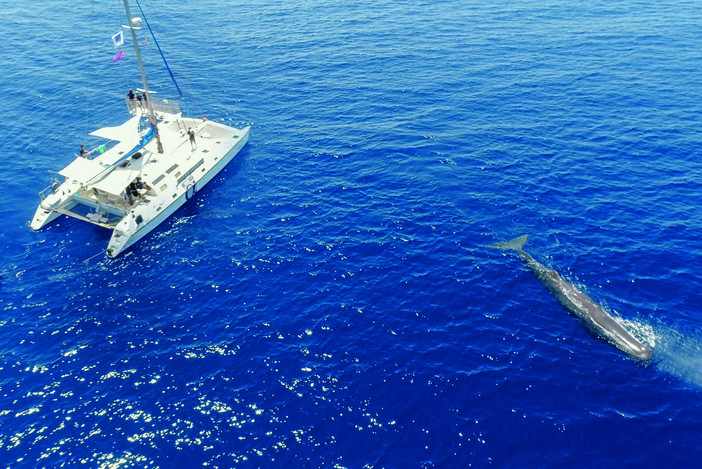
[[101, 148]]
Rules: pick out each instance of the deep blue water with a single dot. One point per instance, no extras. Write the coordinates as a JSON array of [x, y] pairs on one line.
[[327, 301]]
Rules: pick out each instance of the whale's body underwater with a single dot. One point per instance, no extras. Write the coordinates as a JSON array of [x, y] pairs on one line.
[[599, 321]]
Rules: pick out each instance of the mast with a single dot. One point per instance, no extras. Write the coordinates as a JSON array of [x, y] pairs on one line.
[[152, 114]]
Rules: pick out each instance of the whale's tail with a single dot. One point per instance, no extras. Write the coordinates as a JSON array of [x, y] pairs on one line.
[[516, 244]]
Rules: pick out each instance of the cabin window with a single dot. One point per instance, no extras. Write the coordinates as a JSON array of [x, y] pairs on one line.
[[159, 179], [170, 170], [164, 187]]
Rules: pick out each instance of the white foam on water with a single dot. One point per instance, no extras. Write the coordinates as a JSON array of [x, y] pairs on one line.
[[675, 351], [679, 353]]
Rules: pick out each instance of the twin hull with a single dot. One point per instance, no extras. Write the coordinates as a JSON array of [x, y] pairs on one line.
[[121, 240], [174, 176]]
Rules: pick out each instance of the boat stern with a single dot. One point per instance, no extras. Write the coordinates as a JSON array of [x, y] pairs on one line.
[[118, 243], [42, 217]]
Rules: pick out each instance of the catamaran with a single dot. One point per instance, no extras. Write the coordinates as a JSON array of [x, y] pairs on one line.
[[145, 170]]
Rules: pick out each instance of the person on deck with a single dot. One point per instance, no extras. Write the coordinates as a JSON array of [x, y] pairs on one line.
[[128, 195], [83, 152], [141, 185], [132, 99], [133, 190], [191, 134]]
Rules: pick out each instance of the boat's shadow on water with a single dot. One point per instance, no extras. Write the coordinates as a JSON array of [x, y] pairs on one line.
[[67, 237]]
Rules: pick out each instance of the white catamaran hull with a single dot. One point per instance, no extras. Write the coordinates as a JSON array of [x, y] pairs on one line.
[[148, 167], [43, 217], [122, 241], [171, 177]]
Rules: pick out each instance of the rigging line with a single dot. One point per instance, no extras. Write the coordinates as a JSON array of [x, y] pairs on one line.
[[159, 49], [192, 95], [85, 262]]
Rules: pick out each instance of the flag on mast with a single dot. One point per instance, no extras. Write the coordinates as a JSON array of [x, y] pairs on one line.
[[118, 56], [118, 39]]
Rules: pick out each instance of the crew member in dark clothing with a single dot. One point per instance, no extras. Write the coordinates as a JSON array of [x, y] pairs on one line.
[[83, 152], [191, 134], [133, 190], [141, 184], [132, 99], [128, 195]]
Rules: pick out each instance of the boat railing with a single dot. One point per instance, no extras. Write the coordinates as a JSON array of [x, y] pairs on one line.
[[161, 106], [52, 188]]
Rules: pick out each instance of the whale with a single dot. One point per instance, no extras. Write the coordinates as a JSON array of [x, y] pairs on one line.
[[593, 316]]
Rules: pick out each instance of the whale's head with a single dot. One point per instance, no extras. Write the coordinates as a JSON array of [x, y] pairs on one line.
[[628, 343], [637, 350], [644, 354]]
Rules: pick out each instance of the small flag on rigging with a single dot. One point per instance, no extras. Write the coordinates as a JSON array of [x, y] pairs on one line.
[[118, 39], [118, 56]]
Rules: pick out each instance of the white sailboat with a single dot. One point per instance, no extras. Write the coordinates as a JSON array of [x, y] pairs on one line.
[[147, 168]]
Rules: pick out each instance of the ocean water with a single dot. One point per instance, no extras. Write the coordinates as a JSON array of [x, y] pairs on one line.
[[328, 299]]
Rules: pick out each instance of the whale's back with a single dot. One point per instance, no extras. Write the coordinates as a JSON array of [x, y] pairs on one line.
[[591, 313]]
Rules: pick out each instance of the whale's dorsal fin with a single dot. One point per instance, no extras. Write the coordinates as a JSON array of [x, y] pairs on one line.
[[516, 244]]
